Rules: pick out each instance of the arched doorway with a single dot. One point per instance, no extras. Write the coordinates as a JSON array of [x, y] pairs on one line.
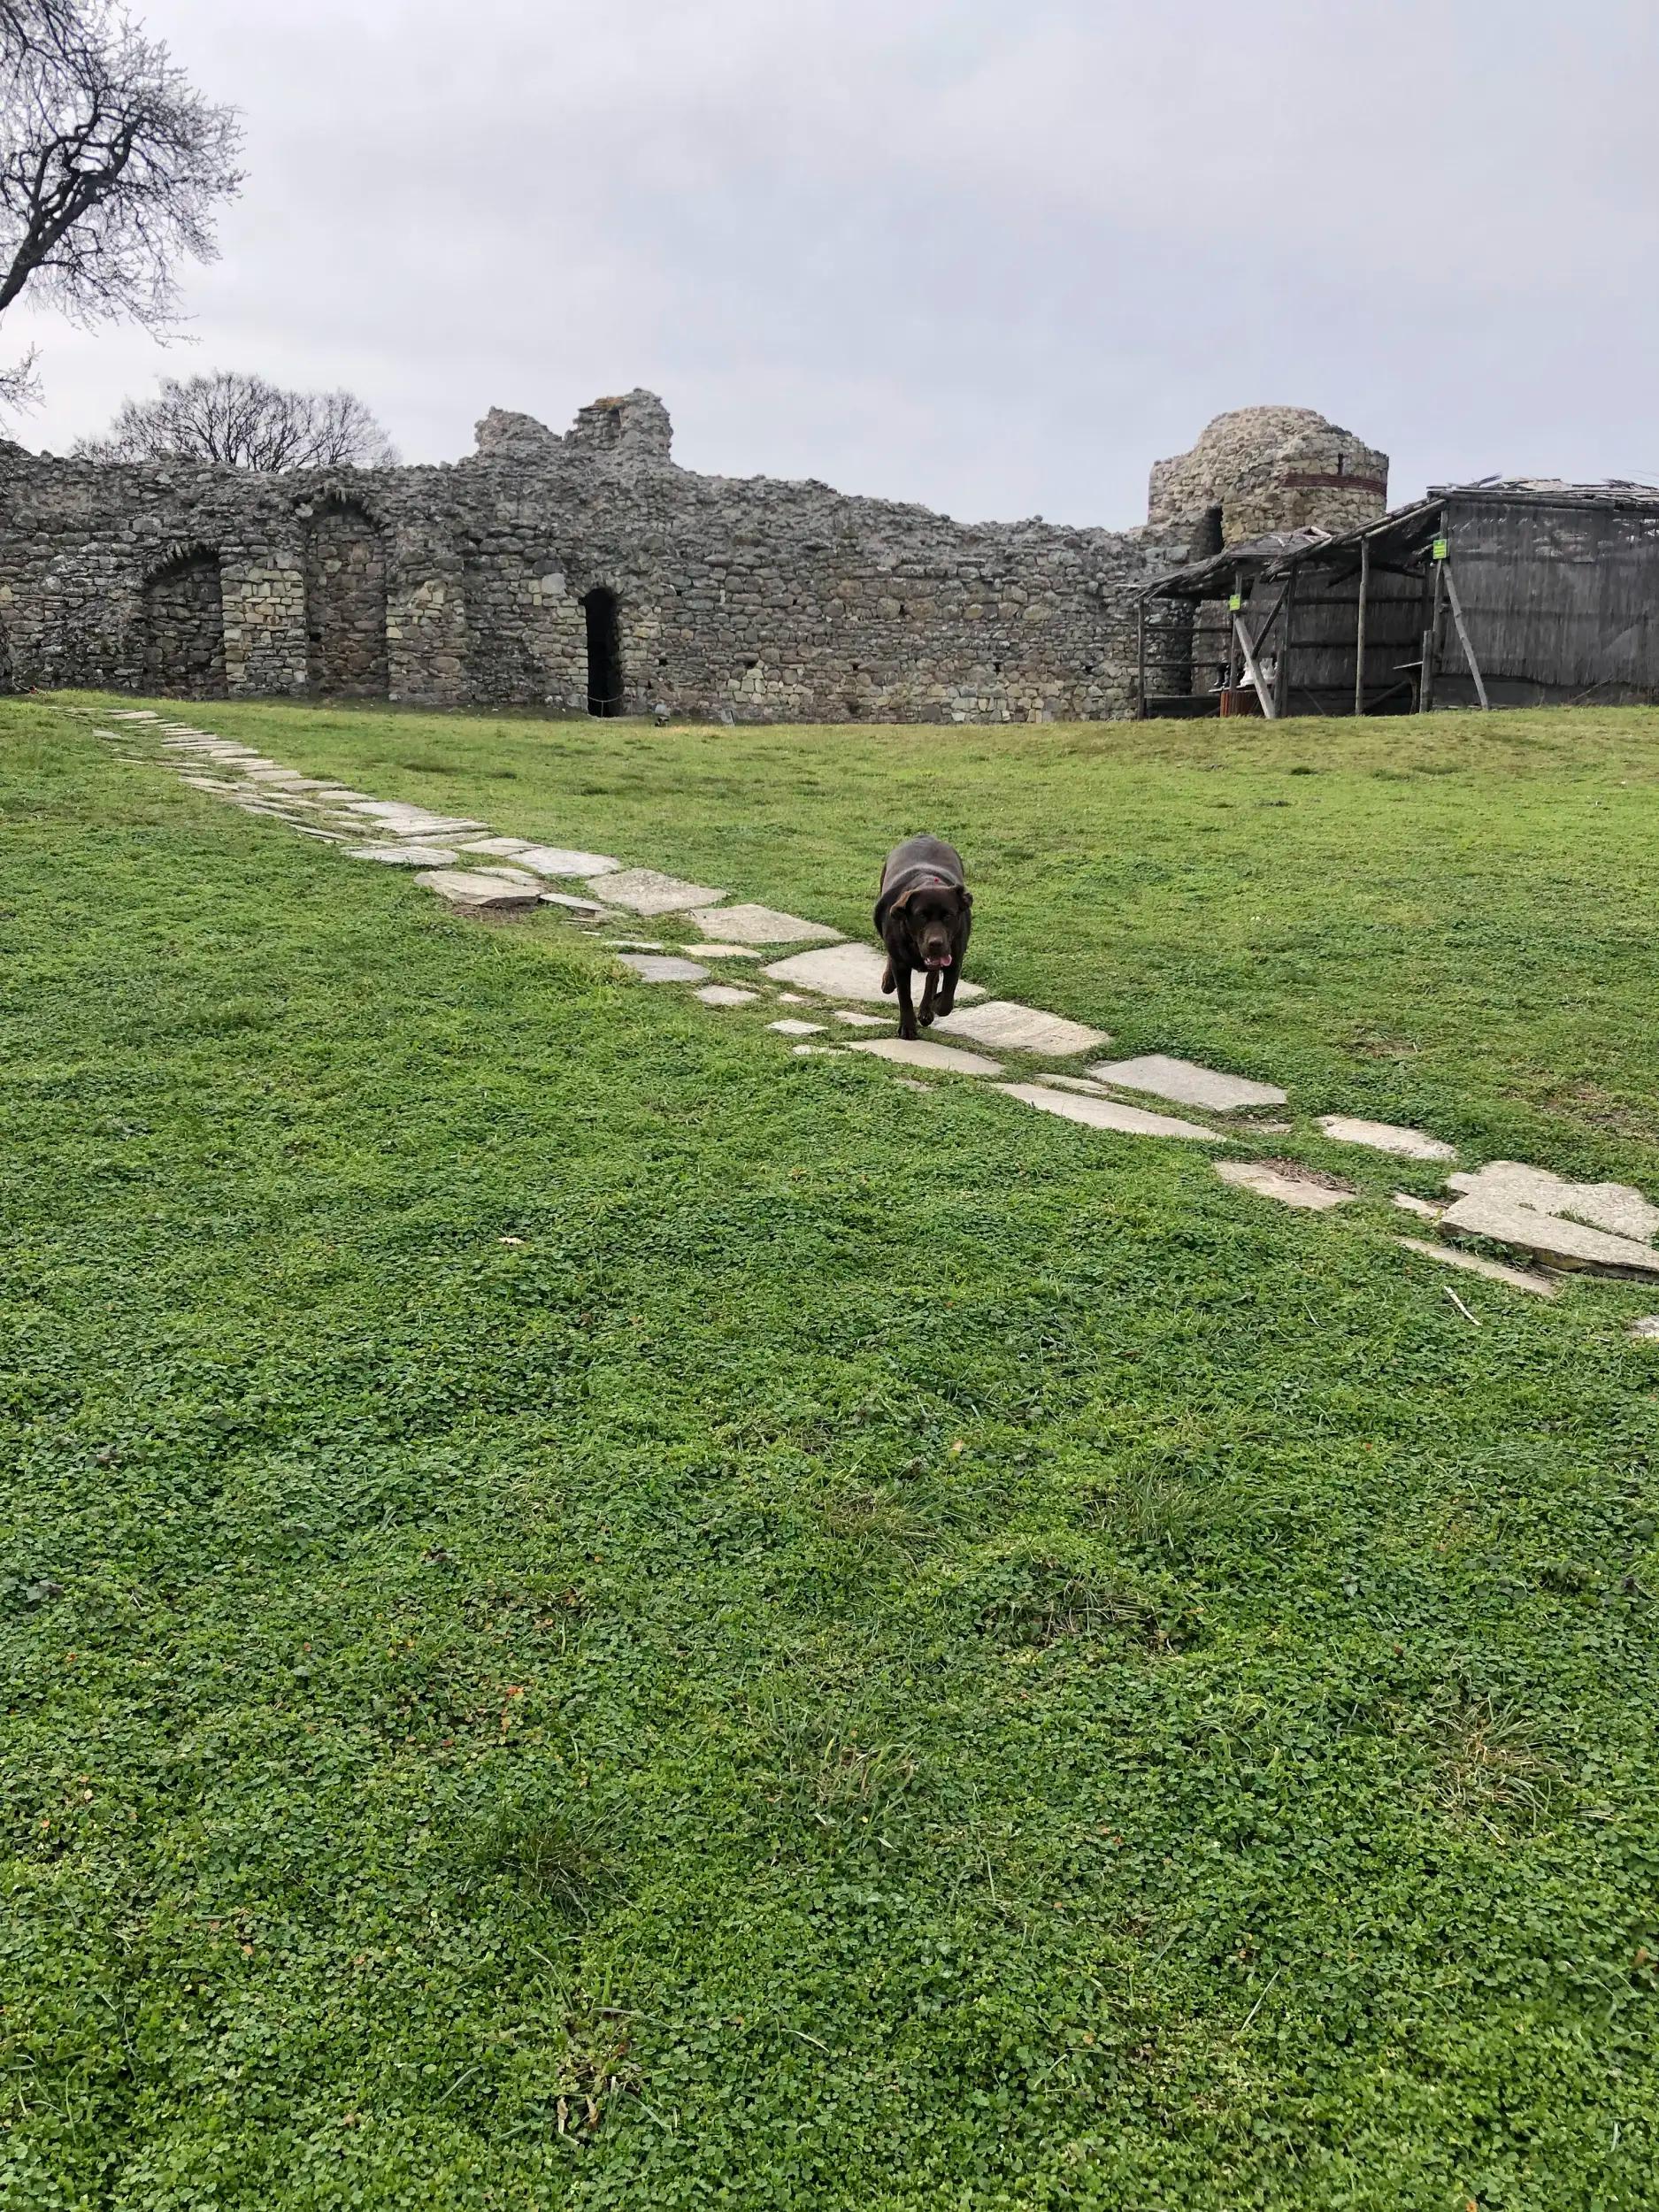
[[184, 626], [604, 652], [345, 602]]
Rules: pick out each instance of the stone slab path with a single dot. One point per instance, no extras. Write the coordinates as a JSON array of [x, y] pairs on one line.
[[849, 971], [1602, 1227], [648, 891], [1186, 1084], [759, 926], [999, 1021], [1108, 1113], [1289, 1190], [921, 1052], [1386, 1136]]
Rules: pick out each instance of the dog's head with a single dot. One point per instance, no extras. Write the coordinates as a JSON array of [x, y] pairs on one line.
[[933, 910]]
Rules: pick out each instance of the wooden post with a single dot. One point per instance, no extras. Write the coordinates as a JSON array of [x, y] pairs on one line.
[[1432, 641], [1463, 638], [1233, 642], [1359, 632], [1140, 654], [1269, 705], [1281, 682]]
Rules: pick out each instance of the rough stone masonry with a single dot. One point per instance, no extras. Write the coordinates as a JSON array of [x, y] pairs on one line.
[[589, 573]]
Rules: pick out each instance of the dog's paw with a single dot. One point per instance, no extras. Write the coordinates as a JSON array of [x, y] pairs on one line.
[[888, 983]]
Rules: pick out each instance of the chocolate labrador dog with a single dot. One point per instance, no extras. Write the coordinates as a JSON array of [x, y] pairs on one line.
[[923, 917]]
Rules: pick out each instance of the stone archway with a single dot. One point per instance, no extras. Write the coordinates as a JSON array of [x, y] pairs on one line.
[[345, 602], [184, 626]]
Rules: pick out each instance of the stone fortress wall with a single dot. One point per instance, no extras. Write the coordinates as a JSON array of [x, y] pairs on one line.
[[587, 572]]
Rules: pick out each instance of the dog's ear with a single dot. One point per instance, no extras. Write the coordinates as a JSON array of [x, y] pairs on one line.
[[965, 896]]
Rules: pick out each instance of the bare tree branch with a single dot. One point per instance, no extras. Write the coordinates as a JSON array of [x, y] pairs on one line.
[[246, 423], [111, 165]]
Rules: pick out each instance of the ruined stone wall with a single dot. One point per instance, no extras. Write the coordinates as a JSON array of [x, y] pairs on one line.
[[747, 599], [184, 626]]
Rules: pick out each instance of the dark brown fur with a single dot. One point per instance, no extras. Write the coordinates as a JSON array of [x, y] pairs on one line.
[[923, 917]]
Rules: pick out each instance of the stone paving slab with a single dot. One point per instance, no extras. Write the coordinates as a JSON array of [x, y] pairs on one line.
[[726, 952], [1289, 1190], [1645, 1328], [404, 856], [1386, 1136], [1476, 1263], [559, 860], [655, 967], [788, 1028], [635, 944], [1187, 1083], [478, 894], [1550, 1237], [1425, 1209], [502, 847], [849, 971], [760, 926], [1108, 1113], [569, 903], [725, 995], [1615, 1207], [648, 891], [1015, 1028], [921, 1052], [855, 1019]]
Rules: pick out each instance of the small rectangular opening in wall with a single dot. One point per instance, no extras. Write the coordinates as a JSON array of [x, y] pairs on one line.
[[604, 652]]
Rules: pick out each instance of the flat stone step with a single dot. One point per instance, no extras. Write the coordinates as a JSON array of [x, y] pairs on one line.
[[1187, 1083], [648, 891], [789, 1027], [1015, 1028], [1477, 1263], [760, 926], [1386, 1136], [921, 1052], [571, 903], [1615, 1207], [726, 952], [656, 967], [725, 995], [848, 971], [559, 860], [1276, 1183], [1550, 1237], [404, 856], [478, 894], [1108, 1113], [500, 847]]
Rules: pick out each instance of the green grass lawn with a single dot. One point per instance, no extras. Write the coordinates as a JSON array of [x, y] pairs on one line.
[[596, 1614]]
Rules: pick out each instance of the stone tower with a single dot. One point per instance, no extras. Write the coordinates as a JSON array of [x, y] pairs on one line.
[[1261, 469]]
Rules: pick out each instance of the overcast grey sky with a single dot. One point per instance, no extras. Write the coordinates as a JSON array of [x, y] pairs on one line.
[[996, 255]]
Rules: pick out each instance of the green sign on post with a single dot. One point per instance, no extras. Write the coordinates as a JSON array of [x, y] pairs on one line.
[[1442, 549], [1236, 601]]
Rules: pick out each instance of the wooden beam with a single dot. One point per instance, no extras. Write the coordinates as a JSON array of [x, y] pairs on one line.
[[1233, 642], [1359, 634], [1287, 605], [1269, 705], [1432, 637], [1463, 639], [1141, 656]]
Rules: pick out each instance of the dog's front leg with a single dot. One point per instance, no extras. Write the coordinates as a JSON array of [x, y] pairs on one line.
[[907, 1011], [928, 996]]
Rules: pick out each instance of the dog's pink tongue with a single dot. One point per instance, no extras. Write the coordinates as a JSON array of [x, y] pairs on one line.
[[945, 963]]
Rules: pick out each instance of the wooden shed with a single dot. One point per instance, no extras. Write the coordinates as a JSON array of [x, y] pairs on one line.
[[1497, 593]]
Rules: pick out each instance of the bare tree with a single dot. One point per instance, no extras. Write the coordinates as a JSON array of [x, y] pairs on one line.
[[112, 167], [245, 422]]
